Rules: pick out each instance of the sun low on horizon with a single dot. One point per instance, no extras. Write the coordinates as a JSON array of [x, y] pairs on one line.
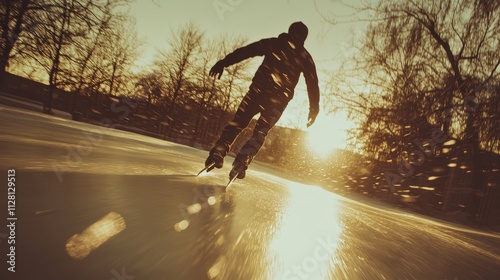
[[328, 133]]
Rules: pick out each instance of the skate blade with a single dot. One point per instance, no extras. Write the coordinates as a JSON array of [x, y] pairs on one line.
[[205, 169], [231, 180]]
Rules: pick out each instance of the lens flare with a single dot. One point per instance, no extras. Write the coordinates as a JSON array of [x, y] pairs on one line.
[[79, 246]]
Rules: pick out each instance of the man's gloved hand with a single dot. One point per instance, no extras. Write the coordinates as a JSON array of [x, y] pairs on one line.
[[217, 69], [313, 113]]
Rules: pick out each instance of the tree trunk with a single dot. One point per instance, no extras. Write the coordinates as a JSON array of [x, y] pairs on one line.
[[112, 82], [10, 38], [47, 108]]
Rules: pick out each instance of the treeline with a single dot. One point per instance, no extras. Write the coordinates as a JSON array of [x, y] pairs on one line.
[[424, 85], [89, 48], [178, 84], [84, 46]]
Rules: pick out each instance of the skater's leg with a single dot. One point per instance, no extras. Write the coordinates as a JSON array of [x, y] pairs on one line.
[[267, 120], [247, 109], [244, 114]]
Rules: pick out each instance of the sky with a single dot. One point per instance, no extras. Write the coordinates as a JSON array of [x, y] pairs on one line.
[[157, 20], [255, 19]]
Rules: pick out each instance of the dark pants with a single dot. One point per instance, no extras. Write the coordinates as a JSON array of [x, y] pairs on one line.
[[253, 103]]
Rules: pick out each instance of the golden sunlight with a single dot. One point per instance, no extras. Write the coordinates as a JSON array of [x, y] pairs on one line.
[[306, 245], [328, 133]]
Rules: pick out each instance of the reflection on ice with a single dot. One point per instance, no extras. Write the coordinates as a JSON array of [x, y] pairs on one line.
[[79, 246], [305, 246]]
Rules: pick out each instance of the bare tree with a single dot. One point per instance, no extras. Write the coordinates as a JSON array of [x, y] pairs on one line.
[[104, 57], [176, 63], [150, 85], [13, 18], [425, 64], [121, 52], [213, 97], [62, 30], [204, 88], [426, 70], [82, 73], [236, 79]]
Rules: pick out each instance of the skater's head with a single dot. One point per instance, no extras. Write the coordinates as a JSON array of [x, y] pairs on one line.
[[298, 31]]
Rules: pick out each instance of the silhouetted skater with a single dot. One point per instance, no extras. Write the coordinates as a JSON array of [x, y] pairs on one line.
[[272, 88]]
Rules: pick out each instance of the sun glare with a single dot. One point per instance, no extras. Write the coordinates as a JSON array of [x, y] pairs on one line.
[[308, 243], [328, 133]]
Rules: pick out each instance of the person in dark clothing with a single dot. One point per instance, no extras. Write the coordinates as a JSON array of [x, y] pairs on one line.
[[285, 58]]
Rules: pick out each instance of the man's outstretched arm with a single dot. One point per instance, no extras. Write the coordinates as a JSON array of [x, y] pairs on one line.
[[240, 54], [311, 78]]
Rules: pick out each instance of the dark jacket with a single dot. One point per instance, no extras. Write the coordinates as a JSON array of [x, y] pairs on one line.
[[279, 73]]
